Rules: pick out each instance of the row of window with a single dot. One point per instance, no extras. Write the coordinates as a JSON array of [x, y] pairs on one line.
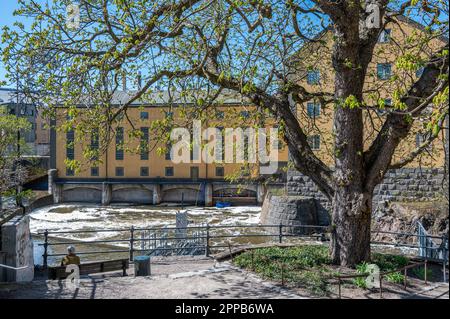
[[144, 171], [384, 72], [219, 115]]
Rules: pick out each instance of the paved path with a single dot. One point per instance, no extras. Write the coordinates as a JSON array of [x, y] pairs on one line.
[[200, 278], [185, 277], [436, 291]]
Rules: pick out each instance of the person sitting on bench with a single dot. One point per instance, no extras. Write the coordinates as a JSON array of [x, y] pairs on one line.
[[70, 258]]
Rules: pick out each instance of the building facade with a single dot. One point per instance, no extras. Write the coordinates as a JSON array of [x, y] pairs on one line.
[[151, 177]]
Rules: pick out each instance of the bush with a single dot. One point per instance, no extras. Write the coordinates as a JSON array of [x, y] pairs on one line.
[[395, 277], [388, 262], [420, 273], [302, 265]]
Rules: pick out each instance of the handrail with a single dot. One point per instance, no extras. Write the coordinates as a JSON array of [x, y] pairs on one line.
[[13, 268], [174, 228]]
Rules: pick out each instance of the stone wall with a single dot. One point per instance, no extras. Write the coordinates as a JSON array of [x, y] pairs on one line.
[[405, 184], [17, 250], [292, 211]]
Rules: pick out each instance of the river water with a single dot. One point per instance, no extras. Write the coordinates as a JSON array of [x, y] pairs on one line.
[[82, 217]]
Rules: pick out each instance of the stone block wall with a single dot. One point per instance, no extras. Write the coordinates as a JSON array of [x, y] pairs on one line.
[[17, 250], [405, 184]]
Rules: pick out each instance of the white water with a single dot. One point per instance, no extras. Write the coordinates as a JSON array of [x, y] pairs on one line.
[[87, 217]]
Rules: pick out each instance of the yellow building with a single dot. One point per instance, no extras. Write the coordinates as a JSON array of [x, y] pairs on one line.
[[384, 81], [152, 177], [151, 171]]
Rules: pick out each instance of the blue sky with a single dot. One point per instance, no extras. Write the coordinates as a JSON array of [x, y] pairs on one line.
[[6, 18]]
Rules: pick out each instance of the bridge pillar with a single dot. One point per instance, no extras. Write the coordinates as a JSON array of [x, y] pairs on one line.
[[57, 191], [106, 193], [208, 194], [52, 175], [260, 192], [157, 194]]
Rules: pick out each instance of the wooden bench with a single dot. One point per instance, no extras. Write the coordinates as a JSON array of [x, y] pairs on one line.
[[94, 267]]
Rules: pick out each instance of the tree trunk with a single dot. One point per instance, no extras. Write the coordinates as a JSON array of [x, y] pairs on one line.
[[351, 218]]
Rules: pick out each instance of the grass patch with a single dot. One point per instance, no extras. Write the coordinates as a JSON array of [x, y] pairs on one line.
[[303, 265], [419, 272], [386, 262], [309, 266]]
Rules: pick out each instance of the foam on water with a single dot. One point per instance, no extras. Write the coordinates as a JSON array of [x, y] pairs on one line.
[[85, 217]]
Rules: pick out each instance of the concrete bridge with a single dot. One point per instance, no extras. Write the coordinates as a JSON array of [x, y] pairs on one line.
[[154, 191]]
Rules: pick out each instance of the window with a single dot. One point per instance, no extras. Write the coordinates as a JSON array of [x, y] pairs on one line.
[[144, 116], [313, 77], [220, 171], [69, 172], [384, 71], [220, 115], [387, 103], [144, 143], [385, 36], [119, 143], [245, 114], [194, 151], [194, 172], [94, 171], [70, 147], [422, 138], [94, 144], [169, 171], [144, 171], [313, 109], [419, 72], [119, 171], [220, 151], [168, 152], [314, 142], [169, 115]]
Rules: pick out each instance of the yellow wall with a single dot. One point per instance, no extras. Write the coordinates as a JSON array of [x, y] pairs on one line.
[[156, 162], [318, 56]]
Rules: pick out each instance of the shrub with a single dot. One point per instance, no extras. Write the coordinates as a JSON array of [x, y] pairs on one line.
[[420, 272], [395, 277]]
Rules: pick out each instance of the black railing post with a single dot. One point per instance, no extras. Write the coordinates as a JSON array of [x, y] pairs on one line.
[[45, 255], [280, 233], [207, 241], [131, 243]]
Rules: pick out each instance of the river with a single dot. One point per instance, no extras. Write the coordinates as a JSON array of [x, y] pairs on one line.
[[83, 217]]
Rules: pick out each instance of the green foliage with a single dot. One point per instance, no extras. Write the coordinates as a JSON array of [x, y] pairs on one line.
[[361, 281], [419, 272], [395, 277], [386, 262], [389, 262], [302, 265]]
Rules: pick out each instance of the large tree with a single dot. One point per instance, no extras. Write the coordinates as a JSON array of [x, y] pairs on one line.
[[247, 46]]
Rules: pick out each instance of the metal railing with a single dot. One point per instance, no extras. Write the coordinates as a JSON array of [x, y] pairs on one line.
[[211, 240], [404, 269]]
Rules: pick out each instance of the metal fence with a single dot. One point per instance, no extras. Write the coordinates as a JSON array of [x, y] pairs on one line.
[[204, 238]]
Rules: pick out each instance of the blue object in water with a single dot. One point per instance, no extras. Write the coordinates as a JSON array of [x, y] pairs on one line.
[[223, 204]]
